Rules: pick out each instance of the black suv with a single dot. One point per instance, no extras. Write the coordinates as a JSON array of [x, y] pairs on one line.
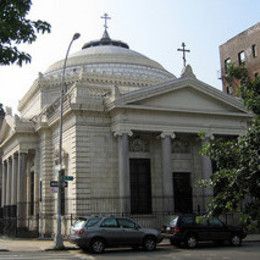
[[189, 229]]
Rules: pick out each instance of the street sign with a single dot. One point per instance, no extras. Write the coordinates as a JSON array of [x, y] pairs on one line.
[[67, 178], [56, 184]]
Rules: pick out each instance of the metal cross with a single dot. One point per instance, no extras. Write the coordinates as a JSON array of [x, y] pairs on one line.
[[105, 17], [183, 50]]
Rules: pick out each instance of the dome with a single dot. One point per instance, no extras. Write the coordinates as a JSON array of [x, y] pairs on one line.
[[112, 59]]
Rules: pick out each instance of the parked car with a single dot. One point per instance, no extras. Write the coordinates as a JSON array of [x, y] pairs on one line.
[[189, 229], [95, 233]]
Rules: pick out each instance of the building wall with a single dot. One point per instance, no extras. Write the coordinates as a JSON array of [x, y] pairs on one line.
[[96, 164], [242, 42]]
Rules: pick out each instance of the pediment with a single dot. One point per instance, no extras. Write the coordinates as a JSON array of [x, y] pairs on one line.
[[186, 98], [187, 95]]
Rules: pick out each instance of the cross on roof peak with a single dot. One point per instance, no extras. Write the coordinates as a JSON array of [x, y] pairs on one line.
[[183, 50], [105, 17]]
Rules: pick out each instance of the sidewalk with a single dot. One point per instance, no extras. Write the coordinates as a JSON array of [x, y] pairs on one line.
[[18, 244]]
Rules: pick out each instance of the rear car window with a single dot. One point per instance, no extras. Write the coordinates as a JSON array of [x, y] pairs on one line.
[[186, 220], [92, 222]]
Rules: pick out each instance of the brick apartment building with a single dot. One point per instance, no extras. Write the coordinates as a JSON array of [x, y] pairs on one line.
[[242, 49]]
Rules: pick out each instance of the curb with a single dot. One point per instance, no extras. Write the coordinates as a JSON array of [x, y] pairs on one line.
[[66, 248]]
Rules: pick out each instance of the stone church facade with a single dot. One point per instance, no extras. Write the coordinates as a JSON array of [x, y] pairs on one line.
[[130, 140]]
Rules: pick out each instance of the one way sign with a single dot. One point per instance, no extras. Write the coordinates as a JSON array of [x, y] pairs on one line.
[[56, 184]]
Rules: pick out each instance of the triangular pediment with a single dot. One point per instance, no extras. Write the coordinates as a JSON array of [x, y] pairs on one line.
[[186, 98], [187, 95]]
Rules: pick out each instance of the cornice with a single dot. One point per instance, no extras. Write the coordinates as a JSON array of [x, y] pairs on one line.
[[28, 95], [181, 110]]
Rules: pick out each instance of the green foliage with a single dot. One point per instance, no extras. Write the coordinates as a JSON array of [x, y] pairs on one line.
[[238, 161], [16, 29]]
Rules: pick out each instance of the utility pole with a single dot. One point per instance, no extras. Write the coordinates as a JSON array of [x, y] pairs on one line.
[[58, 240]]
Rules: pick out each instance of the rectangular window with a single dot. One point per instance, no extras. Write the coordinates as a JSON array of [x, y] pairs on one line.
[[241, 58], [254, 51], [140, 185], [227, 62]]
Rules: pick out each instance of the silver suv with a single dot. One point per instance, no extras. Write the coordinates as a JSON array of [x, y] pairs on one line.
[[96, 233]]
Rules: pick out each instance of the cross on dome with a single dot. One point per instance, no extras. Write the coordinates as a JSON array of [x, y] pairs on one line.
[[105, 17], [183, 50]]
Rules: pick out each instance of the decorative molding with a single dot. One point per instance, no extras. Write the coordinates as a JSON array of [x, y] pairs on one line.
[[120, 132], [168, 133]]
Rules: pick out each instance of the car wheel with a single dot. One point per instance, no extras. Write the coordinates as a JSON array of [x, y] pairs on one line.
[[149, 243], [191, 241], [235, 240], [97, 246]]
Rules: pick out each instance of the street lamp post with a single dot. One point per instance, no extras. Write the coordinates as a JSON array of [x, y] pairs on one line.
[[58, 240]]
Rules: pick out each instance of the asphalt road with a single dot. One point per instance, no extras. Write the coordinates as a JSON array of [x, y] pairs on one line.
[[250, 251]]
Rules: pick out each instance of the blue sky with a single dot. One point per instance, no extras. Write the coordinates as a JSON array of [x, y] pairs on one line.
[[155, 28]]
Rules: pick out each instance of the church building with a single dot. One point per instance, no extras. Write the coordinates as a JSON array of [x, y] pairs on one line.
[[130, 140]]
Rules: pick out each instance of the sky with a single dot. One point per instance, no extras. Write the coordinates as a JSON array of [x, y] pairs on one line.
[[155, 28]]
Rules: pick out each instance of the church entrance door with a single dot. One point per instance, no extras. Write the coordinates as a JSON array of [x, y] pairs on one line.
[[182, 192], [140, 186]]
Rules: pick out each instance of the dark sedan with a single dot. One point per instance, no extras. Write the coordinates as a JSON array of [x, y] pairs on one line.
[[96, 233], [189, 229]]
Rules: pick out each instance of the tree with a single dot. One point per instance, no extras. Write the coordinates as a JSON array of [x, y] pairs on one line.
[[17, 29], [236, 181]]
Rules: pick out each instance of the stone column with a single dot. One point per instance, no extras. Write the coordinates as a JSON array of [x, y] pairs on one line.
[[8, 184], [3, 177], [14, 185], [21, 191], [123, 171], [3, 184], [206, 174], [168, 192]]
